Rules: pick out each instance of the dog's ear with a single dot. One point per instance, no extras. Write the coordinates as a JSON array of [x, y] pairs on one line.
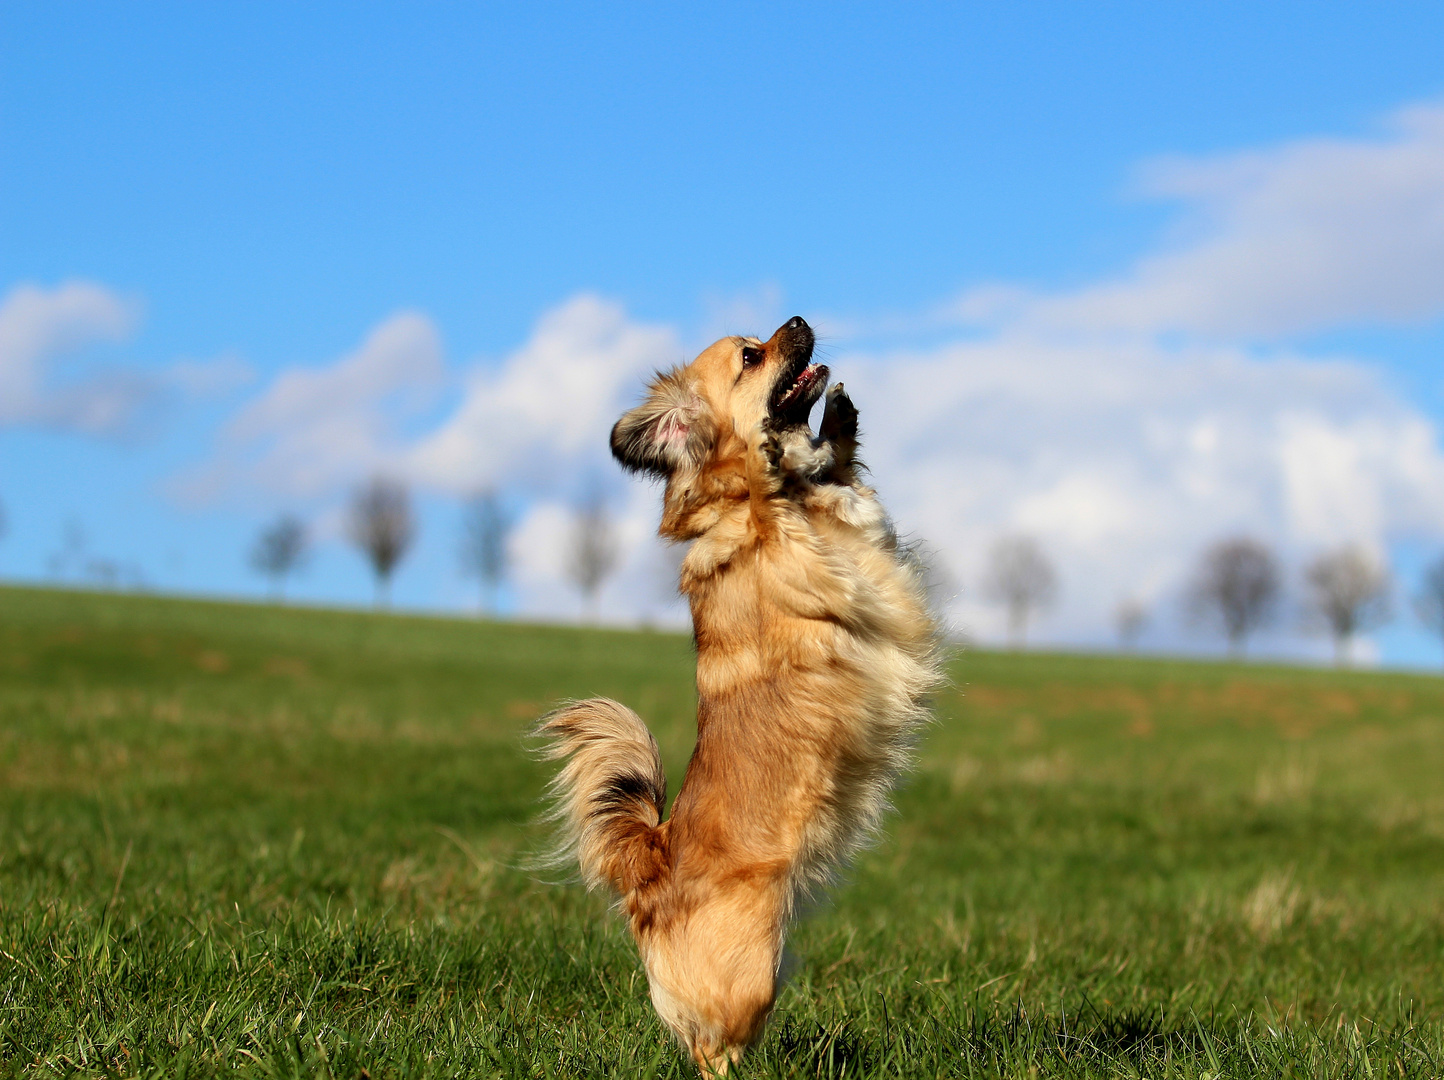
[[664, 432]]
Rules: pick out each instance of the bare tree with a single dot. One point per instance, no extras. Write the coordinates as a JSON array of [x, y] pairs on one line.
[[1129, 619], [1348, 590], [103, 571], [1429, 600], [1021, 578], [383, 527], [279, 550], [594, 552], [1237, 585], [71, 554], [485, 526]]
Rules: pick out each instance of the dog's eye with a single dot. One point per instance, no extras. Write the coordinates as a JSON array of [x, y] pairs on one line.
[[751, 357]]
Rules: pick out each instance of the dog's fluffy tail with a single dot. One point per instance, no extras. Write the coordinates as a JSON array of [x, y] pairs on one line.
[[609, 797]]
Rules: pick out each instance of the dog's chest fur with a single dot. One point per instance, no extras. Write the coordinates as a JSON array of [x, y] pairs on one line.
[[814, 647]]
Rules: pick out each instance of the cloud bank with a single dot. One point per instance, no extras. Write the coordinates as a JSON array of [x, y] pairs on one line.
[[46, 381], [1125, 460], [313, 429], [1272, 243], [39, 330], [1124, 424]]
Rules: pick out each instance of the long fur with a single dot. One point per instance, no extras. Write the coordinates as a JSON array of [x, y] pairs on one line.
[[816, 652], [609, 797]]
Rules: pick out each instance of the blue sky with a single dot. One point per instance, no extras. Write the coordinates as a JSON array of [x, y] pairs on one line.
[[255, 191]]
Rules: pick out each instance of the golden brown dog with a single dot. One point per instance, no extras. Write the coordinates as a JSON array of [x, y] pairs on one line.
[[815, 651]]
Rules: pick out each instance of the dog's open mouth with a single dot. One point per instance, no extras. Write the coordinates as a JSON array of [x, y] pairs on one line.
[[796, 395]]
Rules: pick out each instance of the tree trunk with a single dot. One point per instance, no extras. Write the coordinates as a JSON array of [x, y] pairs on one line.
[[1017, 627]]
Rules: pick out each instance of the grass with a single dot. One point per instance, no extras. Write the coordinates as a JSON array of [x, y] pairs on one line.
[[254, 841]]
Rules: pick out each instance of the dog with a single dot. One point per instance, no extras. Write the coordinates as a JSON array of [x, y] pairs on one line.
[[816, 654]]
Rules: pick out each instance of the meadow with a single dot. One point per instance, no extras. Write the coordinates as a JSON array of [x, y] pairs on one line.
[[258, 841]]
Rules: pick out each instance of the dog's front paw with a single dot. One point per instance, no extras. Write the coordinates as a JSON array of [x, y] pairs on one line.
[[839, 417]]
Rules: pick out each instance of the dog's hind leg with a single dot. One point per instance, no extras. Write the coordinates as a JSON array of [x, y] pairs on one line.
[[713, 974]]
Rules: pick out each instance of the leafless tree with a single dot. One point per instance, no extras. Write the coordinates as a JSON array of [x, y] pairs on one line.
[[278, 551], [72, 551], [594, 552], [1429, 600], [1237, 585], [104, 572], [1349, 591], [1129, 619], [382, 526], [485, 526], [1021, 578]]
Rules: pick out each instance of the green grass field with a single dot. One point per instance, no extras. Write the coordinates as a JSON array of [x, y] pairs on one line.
[[254, 841]]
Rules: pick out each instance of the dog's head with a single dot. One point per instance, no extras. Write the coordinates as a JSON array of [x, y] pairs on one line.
[[693, 412]]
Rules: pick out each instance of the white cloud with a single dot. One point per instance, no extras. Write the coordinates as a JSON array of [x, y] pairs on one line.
[[1125, 424], [1125, 460], [1304, 236], [545, 413], [535, 424], [44, 338], [1129, 422], [541, 414], [215, 377], [316, 429], [39, 329]]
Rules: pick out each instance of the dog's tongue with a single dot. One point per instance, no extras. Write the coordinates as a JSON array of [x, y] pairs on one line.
[[803, 379]]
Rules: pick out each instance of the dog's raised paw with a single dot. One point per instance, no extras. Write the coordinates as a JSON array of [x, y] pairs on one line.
[[839, 416]]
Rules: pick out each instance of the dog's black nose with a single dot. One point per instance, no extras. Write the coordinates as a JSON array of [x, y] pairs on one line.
[[797, 322]]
